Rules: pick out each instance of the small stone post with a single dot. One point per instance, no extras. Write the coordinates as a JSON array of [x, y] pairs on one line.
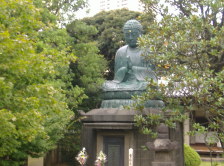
[[130, 157], [163, 148]]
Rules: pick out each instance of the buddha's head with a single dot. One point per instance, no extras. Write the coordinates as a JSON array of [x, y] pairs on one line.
[[132, 30]]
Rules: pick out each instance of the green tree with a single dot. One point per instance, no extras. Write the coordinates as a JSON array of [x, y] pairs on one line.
[[90, 66], [62, 10], [57, 45], [81, 76], [85, 75], [35, 82], [110, 36], [187, 48]]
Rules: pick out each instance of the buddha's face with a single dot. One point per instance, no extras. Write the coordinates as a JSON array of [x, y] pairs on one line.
[[131, 36]]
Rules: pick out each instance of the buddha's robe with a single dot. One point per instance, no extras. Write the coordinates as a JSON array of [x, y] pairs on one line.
[[131, 71]]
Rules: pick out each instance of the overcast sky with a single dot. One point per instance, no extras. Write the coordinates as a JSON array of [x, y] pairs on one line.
[[83, 12], [94, 5]]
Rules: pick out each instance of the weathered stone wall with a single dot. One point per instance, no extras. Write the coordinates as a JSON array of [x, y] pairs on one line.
[[142, 157], [118, 121]]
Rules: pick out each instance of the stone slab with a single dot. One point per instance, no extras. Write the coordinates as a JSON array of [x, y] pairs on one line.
[[120, 103], [114, 114], [163, 164], [35, 161], [162, 145], [112, 126]]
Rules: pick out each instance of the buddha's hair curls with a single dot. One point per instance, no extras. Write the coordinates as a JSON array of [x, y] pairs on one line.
[[133, 24]]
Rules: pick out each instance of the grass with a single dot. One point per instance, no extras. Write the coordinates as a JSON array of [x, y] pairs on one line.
[[207, 163]]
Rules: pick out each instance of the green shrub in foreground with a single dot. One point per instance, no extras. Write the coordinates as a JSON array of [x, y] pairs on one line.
[[191, 157]]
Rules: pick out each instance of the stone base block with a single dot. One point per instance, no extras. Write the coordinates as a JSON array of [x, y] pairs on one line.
[[120, 103], [163, 163]]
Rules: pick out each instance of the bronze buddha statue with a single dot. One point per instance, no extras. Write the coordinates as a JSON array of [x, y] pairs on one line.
[[132, 70]]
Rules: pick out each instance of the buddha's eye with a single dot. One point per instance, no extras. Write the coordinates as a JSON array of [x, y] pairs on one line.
[[134, 34]]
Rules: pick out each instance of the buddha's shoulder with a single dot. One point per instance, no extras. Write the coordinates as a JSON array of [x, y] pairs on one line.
[[122, 49]]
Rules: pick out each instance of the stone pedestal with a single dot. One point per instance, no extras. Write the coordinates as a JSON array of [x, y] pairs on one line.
[[35, 161], [167, 147], [99, 124], [163, 151]]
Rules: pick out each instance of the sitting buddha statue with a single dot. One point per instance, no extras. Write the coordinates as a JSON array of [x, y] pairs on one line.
[[132, 70]]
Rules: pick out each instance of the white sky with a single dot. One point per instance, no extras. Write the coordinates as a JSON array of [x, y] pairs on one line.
[[86, 12], [94, 5]]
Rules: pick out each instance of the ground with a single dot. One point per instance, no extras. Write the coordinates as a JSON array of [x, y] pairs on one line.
[[214, 163]]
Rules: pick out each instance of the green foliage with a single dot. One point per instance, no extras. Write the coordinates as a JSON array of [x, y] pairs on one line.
[[110, 36], [60, 10], [90, 66], [61, 49], [151, 120], [187, 49], [70, 145], [81, 32], [191, 157], [35, 82], [89, 69], [37, 92], [57, 45]]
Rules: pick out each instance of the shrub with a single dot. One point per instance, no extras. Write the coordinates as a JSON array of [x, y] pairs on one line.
[[191, 157]]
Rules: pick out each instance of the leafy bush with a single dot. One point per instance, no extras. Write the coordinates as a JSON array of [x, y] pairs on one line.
[[191, 157]]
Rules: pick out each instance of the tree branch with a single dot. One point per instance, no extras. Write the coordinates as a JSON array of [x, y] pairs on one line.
[[202, 11], [222, 20], [182, 8], [214, 19], [207, 11]]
